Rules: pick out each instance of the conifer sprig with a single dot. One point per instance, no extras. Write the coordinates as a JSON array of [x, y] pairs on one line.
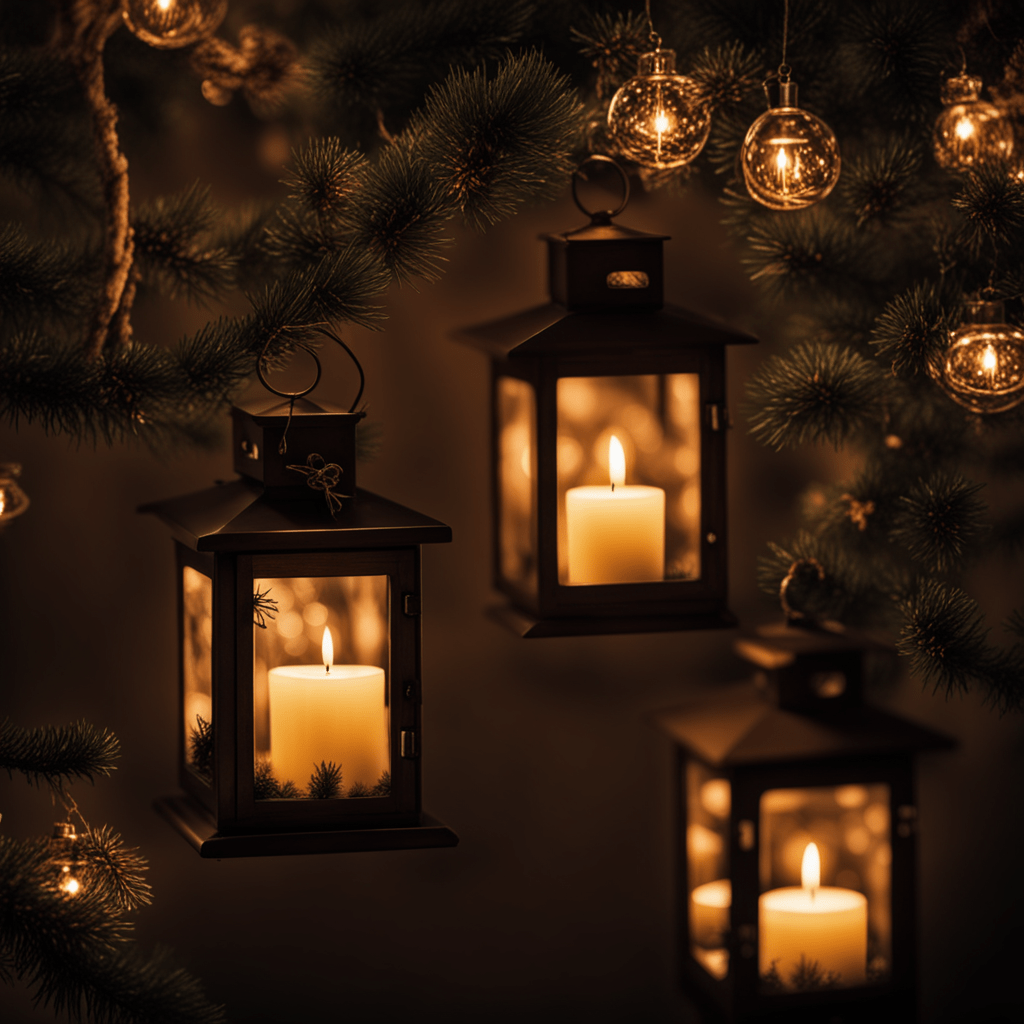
[[57, 754]]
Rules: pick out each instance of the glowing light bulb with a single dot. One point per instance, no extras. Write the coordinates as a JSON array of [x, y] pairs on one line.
[[168, 24], [782, 160], [616, 463], [164, 4], [327, 649], [659, 118], [969, 131], [989, 361], [69, 884], [810, 868]]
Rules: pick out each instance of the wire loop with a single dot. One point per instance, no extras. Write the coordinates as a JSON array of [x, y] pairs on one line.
[[327, 333], [792, 614], [599, 216]]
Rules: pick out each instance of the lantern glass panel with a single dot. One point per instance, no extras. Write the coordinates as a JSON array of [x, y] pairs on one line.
[[197, 672], [306, 718], [825, 921], [517, 482], [647, 526], [708, 804]]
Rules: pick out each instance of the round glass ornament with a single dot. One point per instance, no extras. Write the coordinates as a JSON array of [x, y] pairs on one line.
[[13, 500], [168, 24], [983, 368], [969, 131], [790, 158], [659, 118]]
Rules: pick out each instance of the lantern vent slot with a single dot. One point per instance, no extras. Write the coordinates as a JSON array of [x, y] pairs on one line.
[[627, 279]]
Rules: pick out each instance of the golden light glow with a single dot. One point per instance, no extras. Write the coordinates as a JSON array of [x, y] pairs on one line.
[[810, 868], [327, 649], [964, 128], [661, 122], [781, 161], [989, 363], [69, 884], [616, 462]]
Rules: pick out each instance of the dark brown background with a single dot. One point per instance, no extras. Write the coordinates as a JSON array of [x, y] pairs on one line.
[[557, 903]]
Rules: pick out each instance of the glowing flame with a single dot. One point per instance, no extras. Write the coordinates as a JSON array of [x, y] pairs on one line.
[[964, 128], [69, 884], [810, 868], [661, 122], [165, 5], [989, 361], [327, 649], [616, 462], [782, 161]]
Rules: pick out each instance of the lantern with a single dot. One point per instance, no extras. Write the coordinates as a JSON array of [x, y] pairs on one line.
[[609, 417], [796, 839], [299, 637]]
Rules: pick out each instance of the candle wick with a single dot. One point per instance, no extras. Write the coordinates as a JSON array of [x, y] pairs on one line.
[[613, 487], [328, 667]]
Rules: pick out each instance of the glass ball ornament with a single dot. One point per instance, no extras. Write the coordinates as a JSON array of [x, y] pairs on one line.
[[66, 858], [659, 118], [983, 369], [970, 131], [790, 158], [168, 24], [13, 500]]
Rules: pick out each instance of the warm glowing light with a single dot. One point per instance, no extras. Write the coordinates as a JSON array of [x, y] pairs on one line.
[[327, 649], [616, 462], [810, 869], [70, 885], [661, 122], [964, 128], [781, 161], [989, 363]]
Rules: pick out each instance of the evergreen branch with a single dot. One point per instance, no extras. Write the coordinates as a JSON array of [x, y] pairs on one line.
[[814, 393], [493, 144], [728, 74], [938, 520], [200, 748], [325, 177], [56, 753], [883, 185], [613, 43], [325, 782], [912, 332], [114, 871], [991, 200]]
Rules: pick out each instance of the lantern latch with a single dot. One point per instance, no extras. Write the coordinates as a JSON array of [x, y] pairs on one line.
[[408, 744], [718, 417], [411, 604]]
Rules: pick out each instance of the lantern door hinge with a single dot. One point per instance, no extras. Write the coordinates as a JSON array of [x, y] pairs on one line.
[[411, 604], [408, 744]]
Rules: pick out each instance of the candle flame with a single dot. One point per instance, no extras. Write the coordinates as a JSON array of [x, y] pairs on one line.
[[988, 360], [616, 462], [810, 869], [327, 649], [781, 159]]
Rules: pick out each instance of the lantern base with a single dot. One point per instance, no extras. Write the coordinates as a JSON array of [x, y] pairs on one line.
[[199, 829], [525, 625]]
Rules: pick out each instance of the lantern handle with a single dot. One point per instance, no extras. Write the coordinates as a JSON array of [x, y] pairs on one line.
[[292, 395], [600, 216], [793, 614]]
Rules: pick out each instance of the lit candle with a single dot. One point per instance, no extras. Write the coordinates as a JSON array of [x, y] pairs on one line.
[[823, 925], [616, 534], [328, 712], [709, 913]]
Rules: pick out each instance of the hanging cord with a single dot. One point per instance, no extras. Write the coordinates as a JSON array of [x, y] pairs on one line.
[[782, 75], [282, 448], [654, 37]]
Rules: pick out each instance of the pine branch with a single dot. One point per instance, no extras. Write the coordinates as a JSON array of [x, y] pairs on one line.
[[114, 871], [325, 782], [883, 186], [326, 178], [55, 754], [912, 334], [728, 75], [991, 200], [200, 748], [815, 393], [938, 520], [613, 43]]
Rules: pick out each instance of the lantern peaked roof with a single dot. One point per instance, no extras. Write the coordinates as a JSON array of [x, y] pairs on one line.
[[238, 516], [742, 726], [553, 329]]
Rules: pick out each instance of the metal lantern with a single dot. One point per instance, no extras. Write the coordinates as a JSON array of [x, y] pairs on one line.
[[299, 636], [609, 422], [796, 839]]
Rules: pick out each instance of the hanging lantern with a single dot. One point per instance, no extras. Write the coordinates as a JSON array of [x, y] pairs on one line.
[[299, 604], [969, 131], [983, 369], [797, 825], [790, 158], [609, 445]]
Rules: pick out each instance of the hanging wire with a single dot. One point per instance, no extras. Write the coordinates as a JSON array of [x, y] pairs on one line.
[[784, 68], [654, 37]]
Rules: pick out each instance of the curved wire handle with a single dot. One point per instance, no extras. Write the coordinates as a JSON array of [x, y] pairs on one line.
[[292, 395], [791, 613], [599, 216]]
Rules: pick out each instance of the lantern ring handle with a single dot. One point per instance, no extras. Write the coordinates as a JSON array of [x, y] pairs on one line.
[[600, 216], [791, 613], [327, 333]]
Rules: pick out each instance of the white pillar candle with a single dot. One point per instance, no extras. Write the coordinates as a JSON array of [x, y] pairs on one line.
[[615, 534], [709, 913], [823, 925], [328, 713]]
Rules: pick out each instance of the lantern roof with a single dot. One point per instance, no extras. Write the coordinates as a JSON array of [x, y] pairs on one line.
[[552, 329], [599, 230], [239, 516], [742, 725]]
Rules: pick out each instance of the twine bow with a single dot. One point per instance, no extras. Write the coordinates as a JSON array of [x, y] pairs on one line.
[[322, 475]]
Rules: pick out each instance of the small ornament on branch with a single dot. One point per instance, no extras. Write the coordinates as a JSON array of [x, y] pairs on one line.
[[67, 858], [170, 24], [970, 131]]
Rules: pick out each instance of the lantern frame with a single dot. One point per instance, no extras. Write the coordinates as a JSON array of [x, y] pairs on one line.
[[778, 733], [242, 531], [593, 328]]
